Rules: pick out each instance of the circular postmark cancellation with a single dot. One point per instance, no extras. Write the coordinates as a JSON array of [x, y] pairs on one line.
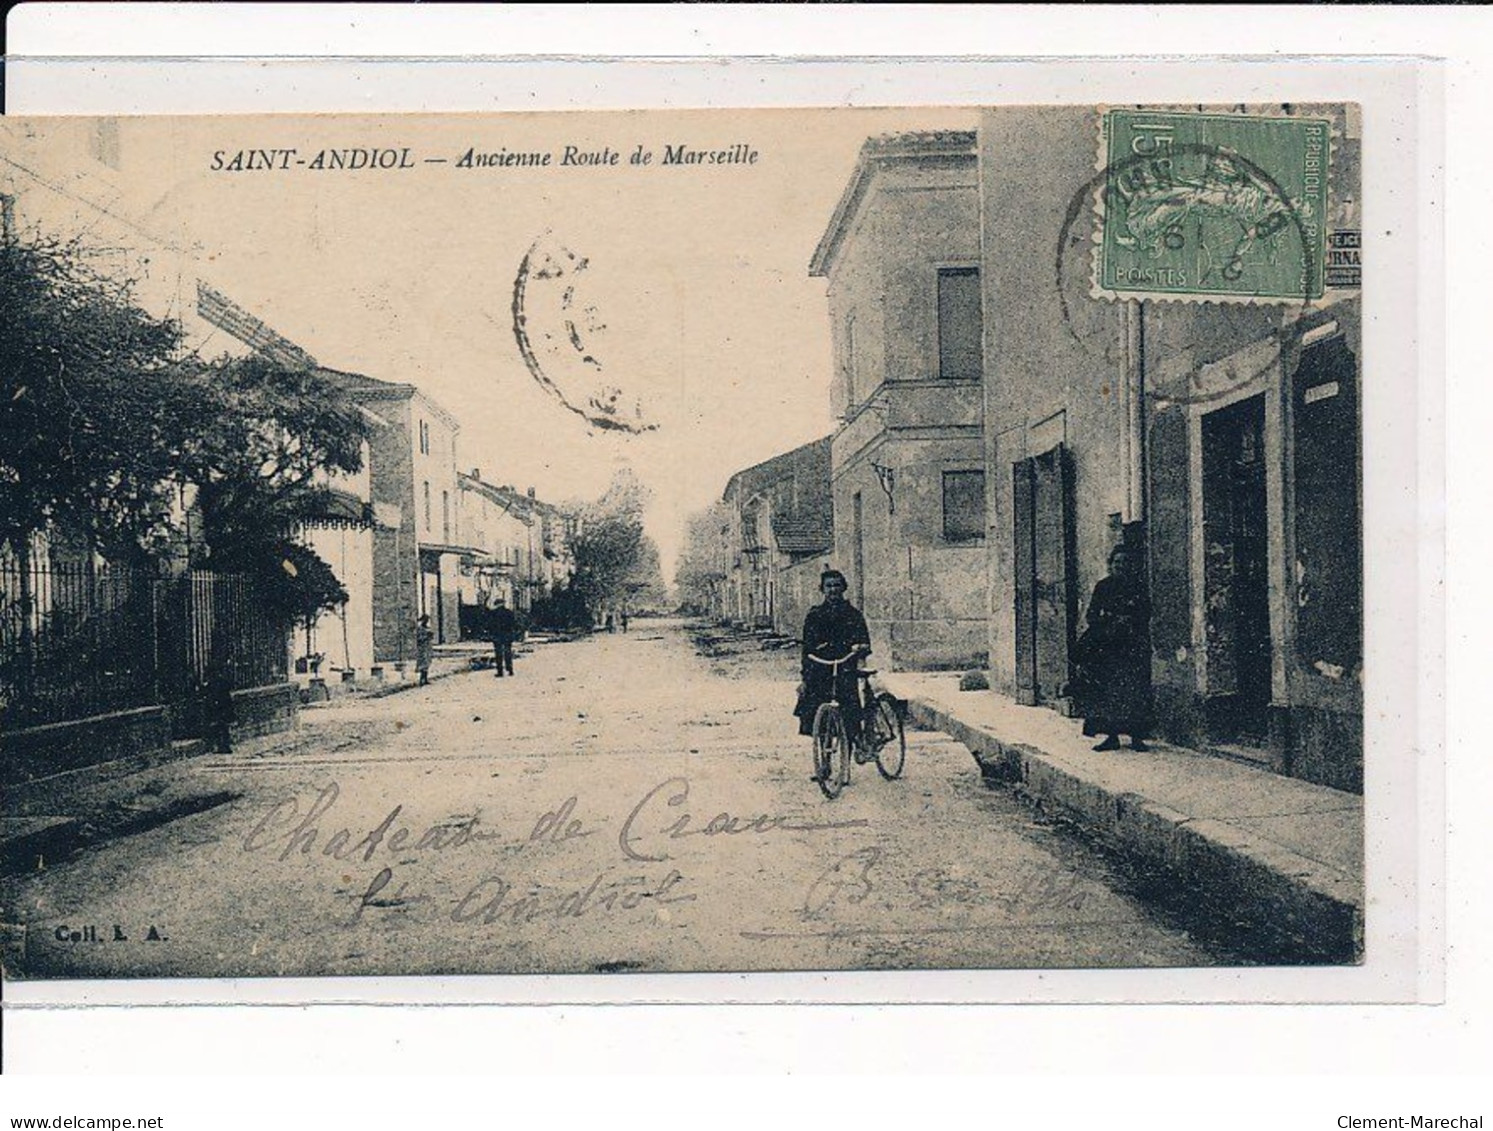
[[1206, 208], [557, 330], [1217, 206]]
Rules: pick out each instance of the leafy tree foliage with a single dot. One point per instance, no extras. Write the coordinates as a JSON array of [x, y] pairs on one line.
[[94, 416], [616, 563], [701, 570], [293, 583], [256, 466], [104, 419]]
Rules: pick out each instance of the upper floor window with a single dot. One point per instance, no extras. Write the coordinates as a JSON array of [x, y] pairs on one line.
[[7, 217], [959, 324], [963, 505], [424, 438], [446, 516], [426, 486]]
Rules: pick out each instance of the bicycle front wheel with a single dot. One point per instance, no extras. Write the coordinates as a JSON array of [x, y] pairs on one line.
[[831, 750], [891, 738]]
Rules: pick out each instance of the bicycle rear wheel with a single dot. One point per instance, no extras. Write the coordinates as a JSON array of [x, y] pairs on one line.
[[891, 738], [831, 750]]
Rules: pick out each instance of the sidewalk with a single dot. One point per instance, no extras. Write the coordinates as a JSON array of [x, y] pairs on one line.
[[1279, 854], [448, 660], [49, 818]]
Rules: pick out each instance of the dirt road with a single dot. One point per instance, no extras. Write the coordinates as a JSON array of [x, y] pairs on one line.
[[623, 803]]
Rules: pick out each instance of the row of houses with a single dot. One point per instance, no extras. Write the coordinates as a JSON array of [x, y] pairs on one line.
[[1001, 428], [411, 534]]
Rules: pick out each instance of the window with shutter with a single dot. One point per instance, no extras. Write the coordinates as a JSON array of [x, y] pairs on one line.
[[963, 505], [959, 324]]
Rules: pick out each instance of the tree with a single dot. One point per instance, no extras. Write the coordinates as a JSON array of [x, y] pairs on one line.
[[606, 551], [615, 561], [294, 584], [643, 586], [259, 467], [104, 418], [701, 569], [94, 414]]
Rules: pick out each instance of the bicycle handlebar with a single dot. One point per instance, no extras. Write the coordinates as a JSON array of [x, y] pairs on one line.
[[856, 651]]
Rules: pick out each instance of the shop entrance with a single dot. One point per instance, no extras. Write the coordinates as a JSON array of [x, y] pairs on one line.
[[1236, 587], [1046, 596]]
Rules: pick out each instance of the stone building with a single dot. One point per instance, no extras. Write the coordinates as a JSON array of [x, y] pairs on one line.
[[1221, 438], [417, 546], [802, 546], [902, 259], [780, 530], [520, 548]]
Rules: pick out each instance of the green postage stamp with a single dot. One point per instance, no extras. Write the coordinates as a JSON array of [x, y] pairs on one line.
[[1222, 206]]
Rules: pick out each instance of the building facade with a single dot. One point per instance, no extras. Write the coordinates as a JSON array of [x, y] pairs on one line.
[[417, 540], [342, 536], [519, 549], [1223, 440], [779, 518], [903, 264]]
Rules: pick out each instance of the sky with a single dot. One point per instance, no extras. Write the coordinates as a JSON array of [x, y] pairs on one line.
[[695, 301]]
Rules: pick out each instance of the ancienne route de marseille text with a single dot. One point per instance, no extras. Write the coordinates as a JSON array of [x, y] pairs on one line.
[[389, 159]]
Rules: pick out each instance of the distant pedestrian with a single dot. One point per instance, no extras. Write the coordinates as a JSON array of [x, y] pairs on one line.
[[505, 630], [217, 708], [424, 649], [624, 620], [611, 624], [1112, 670]]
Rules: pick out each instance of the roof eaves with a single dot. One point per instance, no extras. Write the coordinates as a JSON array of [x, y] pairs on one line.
[[884, 149]]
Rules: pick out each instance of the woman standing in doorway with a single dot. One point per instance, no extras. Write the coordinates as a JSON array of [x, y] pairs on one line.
[[1112, 682]]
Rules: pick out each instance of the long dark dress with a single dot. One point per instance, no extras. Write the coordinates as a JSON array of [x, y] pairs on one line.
[[1112, 682], [830, 631]]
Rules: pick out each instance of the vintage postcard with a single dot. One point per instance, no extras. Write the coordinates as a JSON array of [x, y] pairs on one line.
[[662, 541]]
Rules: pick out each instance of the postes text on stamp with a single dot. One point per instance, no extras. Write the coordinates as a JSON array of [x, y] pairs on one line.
[[1213, 206]]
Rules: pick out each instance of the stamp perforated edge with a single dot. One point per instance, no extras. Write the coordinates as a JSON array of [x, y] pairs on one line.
[[1336, 115]]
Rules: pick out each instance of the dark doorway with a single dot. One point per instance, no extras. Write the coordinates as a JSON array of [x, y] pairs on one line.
[[1046, 596], [1236, 583], [1329, 531], [432, 598]]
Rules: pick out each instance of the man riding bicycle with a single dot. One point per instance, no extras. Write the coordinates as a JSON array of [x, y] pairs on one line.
[[832, 629]]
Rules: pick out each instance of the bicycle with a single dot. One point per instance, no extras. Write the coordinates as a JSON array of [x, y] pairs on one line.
[[880, 737]]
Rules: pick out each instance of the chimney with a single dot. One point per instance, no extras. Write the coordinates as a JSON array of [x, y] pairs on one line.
[[531, 492], [477, 474]]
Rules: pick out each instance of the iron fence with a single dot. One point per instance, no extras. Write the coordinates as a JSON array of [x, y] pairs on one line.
[[78, 640]]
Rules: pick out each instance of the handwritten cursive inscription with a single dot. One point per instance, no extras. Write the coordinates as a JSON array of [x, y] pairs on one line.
[[493, 899], [279, 827], [852, 880], [847, 880], [634, 836]]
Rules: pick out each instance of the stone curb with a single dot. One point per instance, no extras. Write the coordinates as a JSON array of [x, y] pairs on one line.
[[1300, 904]]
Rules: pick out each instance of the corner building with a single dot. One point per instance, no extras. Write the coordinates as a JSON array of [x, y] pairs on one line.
[[417, 547], [902, 258]]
